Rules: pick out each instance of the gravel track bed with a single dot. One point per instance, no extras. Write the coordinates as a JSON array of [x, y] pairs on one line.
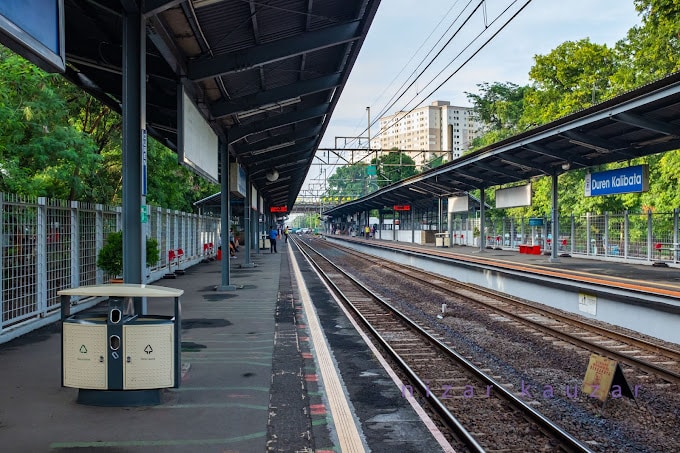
[[550, 370]]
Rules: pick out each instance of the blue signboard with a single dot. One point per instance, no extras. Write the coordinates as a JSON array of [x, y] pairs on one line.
[[35, 30], [621, 180]]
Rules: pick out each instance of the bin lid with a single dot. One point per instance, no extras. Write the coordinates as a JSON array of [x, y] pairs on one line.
[[123, 290]]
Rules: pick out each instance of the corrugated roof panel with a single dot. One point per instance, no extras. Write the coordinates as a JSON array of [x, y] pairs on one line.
[[282, 19], [227, 29], [242, 83], [283, 72]]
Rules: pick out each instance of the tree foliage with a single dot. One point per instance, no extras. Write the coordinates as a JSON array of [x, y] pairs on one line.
[[57, 142], [349, 181], [574, 76], [394, 166]]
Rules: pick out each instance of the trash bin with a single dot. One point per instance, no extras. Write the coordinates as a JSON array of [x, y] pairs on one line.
[[120, 358], [264, 242]]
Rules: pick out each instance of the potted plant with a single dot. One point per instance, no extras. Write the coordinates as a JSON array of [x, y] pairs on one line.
[[110, 258]]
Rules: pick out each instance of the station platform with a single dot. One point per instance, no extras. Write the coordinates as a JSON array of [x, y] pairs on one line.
[[637, 296], [273, 366], [642, 275]]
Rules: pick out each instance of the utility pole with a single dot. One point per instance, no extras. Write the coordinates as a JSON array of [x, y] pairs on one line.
[[368, 111]]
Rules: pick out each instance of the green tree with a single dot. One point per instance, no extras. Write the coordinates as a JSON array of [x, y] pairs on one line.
[[394, 166], [573, 76], [56, 141], [500, 107], [652, 50], [41, 154], [349, 181]]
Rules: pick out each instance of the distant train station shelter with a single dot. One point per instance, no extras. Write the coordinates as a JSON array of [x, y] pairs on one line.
[[638, 123]]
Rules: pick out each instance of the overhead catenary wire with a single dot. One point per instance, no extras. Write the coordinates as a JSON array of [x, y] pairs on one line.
[[413, 56], [487, 25], [486, 28]]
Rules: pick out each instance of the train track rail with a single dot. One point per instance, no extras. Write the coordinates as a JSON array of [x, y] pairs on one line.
[[479, 411], [652, 358]]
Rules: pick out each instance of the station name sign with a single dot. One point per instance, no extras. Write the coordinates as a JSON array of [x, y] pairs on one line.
[[621, 180], [402, 207], [278, 209]]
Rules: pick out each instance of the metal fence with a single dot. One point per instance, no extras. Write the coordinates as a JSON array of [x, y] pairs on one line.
[[650, 236], [48, 245]]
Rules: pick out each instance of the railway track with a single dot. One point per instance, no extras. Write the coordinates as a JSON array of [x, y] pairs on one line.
[[643, 355], [478, 410]]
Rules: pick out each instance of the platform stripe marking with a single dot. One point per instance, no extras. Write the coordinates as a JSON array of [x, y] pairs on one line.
[[427, 421], [348, 434]]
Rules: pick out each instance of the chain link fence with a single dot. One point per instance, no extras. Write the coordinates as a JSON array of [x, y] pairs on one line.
[[49, 245]]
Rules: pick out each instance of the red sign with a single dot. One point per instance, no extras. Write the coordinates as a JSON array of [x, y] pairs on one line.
[[278, 209], [402, 207]]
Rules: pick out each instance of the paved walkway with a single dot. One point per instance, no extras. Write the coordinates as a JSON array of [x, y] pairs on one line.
[[222, 404]]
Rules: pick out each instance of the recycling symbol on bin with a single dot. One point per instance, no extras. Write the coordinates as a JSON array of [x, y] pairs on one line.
[[83, 349], [148, 349]]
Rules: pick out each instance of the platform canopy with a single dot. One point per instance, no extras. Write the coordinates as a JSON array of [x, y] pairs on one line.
[[265, 75], [638, 123]]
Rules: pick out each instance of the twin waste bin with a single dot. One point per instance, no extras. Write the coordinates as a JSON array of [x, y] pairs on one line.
[[119, 357]]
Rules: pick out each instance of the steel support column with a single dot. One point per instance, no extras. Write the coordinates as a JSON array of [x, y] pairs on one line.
[[555, 219], [247, 213], [225, 211], [482, 215], [134, 124]]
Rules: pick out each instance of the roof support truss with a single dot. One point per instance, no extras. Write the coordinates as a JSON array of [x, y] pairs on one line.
[[274, 51]]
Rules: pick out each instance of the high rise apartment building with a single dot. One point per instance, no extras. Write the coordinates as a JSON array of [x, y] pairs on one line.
[[439, 129]]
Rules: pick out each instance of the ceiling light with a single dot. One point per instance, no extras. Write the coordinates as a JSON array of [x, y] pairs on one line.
[[271, 148], [589, 145], [268, 107], [278, 180], [272, 175], [566, 166], [418, 190]]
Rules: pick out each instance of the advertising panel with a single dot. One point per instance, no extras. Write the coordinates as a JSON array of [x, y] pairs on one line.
[[237, 179], [513, 197], [458, 204], [197, 146]]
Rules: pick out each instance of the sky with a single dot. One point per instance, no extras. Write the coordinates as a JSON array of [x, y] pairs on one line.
[[398, 41]]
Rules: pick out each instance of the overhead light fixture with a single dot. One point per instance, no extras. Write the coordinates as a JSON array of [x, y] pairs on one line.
[[292, 164], [271, 148], [589, 145], [202, 3], [278, 180], [566, 166], [418, 190], [268, 107], [272, 175]]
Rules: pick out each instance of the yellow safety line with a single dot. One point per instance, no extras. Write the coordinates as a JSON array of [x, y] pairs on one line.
[[348, 434], [427, 421]]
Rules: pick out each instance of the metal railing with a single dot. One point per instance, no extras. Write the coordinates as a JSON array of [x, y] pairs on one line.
[[651, 236], [48, 245]]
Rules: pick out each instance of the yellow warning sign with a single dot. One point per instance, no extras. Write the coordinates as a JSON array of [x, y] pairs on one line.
[[599, 377]]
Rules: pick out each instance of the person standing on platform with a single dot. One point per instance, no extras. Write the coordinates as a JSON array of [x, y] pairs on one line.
[[273, 235], [367, 232], [285, 234]]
